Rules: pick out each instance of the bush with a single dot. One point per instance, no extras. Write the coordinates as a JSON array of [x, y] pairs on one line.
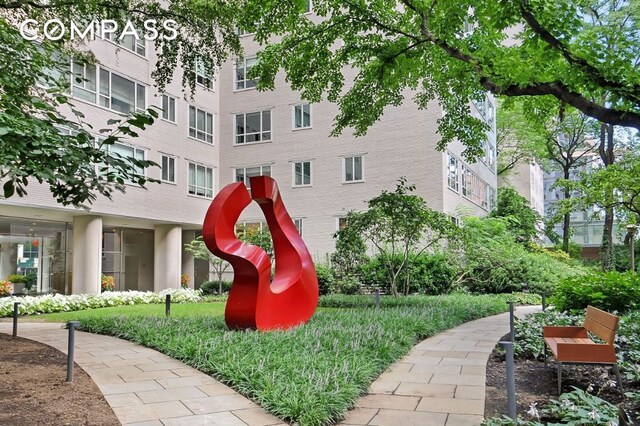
[[611, 291], [429, 273], [326, 281], [17, 279], [107, 282], [349, 285], [5, 288], [212, 287], [493, 262]]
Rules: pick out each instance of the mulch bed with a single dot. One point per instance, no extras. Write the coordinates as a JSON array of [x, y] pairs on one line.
[[537, 384], [34, 390]]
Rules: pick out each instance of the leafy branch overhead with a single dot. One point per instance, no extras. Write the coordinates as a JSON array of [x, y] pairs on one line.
[[44, 138], [451, 52]]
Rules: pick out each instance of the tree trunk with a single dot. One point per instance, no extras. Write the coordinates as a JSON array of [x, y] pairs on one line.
[[606, 154], [566, 223]]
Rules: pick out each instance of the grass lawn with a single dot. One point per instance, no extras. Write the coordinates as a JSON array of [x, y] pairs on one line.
[[311, 374], [178, 310]]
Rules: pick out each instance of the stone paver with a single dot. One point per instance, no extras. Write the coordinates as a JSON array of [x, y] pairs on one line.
[[147, 388], [441, 381]]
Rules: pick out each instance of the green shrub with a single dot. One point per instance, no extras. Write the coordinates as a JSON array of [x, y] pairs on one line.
[[348, 285], [429, 273], [17, 279], [493, 262], [611, 291], [326, 280], [212, 287]]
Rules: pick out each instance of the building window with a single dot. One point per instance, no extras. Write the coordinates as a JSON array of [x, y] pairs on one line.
[[298, 224], [200, 124], [243, 174], [168, 169], [200, 180], [84, 82], [121, 94], [169, 108], [491, 156], [302, 116], [452, 172], [242, 228], [302, 173], [342, 223], [242, 69], [130, 42], [253, 127], [203, 78], [353, 169], [124, 151]]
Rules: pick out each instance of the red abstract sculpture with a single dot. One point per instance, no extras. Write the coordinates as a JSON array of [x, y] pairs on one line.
[[254, 301]]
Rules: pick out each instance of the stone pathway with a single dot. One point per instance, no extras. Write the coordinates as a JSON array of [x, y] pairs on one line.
[[147, 388], [441, 382]]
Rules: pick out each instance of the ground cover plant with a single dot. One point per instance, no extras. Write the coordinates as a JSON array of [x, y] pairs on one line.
[[30, 305], [310, 374], [179, 310], [591, 392]]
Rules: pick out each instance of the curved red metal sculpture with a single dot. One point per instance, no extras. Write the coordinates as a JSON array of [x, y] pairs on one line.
[[254, 301]]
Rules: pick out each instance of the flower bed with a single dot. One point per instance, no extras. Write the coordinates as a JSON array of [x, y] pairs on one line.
[[31, 305]]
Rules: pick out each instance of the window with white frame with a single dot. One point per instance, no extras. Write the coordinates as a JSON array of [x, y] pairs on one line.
[[130, 42], [242, 228], [452, 172], [243, 66], [243, 174], [466, 181], [121, 94], [203, 78], [353, 169], [302, 173], [84, 81], [302, 116], [342, 223], [253, 127], [124, 151], [491, 157], [298, 224], [168, 169], [200, 180], [169, 108], [308, 6], [200, 124]]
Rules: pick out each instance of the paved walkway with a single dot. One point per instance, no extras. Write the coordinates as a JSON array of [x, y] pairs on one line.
[[145, 387], [440, 382]]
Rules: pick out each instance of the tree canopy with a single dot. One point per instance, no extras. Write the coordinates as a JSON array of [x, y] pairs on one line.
[[42, 135], [453, 51]]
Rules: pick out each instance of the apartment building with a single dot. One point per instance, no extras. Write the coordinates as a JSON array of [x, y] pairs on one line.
[[528, 180], [229, 133]]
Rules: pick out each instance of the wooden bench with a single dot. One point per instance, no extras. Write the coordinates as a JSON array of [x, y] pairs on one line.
[[573, 345]]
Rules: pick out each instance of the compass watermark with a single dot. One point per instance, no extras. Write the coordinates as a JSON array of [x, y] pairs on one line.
[[55, 29]]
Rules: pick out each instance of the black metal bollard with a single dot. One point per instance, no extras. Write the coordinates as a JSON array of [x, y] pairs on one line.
[[15, 318], [71, 348], [544, 302], [512, 332], [167, 305], [511, 379], [377, 300]]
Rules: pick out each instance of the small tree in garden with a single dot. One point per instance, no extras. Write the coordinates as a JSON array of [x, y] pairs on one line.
[[217, 266], [350, 251], [399, 224], [522, 219]]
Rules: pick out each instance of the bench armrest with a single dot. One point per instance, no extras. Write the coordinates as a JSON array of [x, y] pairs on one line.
[[564, 331]]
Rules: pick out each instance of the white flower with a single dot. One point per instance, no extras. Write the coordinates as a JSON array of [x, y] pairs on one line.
[[593, 415], [533, 411], [612, 383], [612, 423], [590, 388]]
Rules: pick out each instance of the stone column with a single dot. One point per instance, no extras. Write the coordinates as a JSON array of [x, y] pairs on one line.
[[188, 265], [167, 259], [8, 259], [87, 255]]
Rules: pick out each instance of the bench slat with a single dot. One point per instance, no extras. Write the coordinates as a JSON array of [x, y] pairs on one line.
[[564, 331], [571, 352], [601, 323]]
